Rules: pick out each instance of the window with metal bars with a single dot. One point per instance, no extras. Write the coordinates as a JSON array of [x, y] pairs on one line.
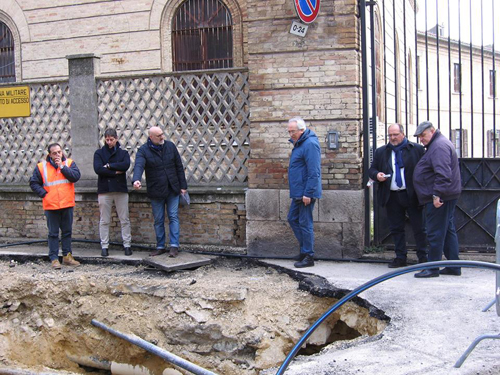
[[7, 58], [202, 36]]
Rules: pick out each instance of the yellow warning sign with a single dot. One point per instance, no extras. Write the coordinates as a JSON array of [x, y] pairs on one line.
[[15, 101]]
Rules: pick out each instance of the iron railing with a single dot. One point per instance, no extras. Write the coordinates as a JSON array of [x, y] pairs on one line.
[[449, 80]]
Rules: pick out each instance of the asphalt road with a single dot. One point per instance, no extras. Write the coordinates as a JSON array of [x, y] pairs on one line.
[[433, 321]]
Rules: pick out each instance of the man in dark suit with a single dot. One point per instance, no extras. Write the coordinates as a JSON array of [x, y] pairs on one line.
[[392, 170]]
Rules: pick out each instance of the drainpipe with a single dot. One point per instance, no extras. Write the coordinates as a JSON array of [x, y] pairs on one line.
[[366, 127], [170, 357]]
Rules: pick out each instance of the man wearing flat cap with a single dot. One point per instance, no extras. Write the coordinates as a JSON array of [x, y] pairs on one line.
[[438, 185]]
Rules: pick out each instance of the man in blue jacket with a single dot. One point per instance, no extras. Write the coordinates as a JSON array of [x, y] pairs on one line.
[[165, 182], [438, 185], [304, 178], [111, 164]]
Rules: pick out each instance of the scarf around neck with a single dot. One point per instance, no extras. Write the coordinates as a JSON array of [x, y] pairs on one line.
[[398, 160], [153, 146]]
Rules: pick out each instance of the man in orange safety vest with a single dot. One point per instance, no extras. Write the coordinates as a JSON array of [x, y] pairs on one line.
[[54, 181]]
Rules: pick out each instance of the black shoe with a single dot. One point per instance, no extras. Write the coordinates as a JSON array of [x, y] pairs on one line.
[[299, 257], [451, 271], [308, 261], [427, 273], [128, 251], [398, 262], [104, 252]]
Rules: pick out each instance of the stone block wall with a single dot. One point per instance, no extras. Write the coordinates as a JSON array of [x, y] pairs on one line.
[[338, 224], [211, 219]]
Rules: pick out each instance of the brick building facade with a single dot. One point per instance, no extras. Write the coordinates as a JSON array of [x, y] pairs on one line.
[[317, 77]]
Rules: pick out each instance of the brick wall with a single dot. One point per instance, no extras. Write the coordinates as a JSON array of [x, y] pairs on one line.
[[211, 219], [318, 78]]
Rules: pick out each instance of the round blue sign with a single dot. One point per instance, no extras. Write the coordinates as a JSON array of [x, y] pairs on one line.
[[307, 10]]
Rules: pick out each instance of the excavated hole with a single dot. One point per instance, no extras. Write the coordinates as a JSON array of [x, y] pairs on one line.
[[232, 317]]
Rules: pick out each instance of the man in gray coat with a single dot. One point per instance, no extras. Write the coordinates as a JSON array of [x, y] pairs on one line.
[[438, 185]]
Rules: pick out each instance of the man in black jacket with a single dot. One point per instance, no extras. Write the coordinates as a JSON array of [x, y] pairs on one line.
[[392, 170], [165, 182], [438, 186], [111, 164]]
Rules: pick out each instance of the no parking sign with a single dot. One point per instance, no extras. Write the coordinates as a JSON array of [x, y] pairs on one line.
[[307, 10]]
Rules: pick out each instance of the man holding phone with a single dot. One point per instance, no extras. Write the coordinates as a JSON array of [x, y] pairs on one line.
[[438, 185], [54, 181], [392, 170]]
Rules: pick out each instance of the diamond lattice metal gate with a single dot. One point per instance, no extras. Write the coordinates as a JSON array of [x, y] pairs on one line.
[[24, 140], [206, 115], [475, 215], [436, 62]]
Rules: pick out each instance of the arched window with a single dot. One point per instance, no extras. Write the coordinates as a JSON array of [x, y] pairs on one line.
[[7, 57], [202, 36]]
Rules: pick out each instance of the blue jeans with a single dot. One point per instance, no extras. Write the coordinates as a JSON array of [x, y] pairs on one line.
[[158, 205], [301, 221], [59, 219], [441, 232]]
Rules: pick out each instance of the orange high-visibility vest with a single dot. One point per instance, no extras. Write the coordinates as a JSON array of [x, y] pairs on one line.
[[60, 191]]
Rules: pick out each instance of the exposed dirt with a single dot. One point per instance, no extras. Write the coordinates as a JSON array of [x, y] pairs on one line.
[[232, 317]]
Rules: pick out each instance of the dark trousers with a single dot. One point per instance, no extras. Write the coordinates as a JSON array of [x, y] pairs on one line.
[[300, 219], [59, 219], [441, 231], [396, 208]]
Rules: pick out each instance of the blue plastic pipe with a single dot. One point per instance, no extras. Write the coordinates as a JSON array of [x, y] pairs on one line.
[[373, 282]]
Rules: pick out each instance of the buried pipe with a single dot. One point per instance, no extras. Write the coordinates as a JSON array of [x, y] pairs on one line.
[[22, 243], [90, 362], [113, 367], [13, 371], [371, 283], [170, 357]]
